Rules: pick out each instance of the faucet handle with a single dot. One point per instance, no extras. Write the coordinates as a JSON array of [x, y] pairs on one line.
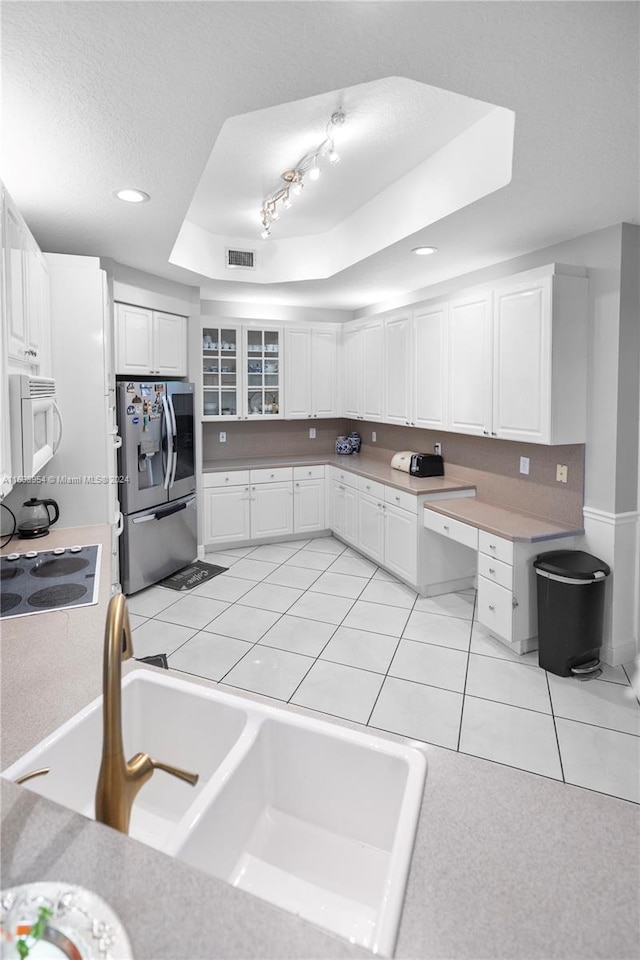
[[191, 778]]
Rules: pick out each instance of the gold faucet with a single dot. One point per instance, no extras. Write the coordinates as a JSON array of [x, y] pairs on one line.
[[119, 780]]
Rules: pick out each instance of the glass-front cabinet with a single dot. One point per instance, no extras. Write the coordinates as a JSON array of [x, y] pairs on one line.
[[241, 372]]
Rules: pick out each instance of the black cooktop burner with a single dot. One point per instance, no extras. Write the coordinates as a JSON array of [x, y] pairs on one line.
[[59, 567], [8, 601], [57, 596], [57, 579]]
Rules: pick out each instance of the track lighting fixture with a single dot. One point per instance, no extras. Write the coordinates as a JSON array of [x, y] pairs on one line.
[[294, 178]]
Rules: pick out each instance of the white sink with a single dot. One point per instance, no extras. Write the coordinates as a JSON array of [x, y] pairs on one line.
[[315, 818]]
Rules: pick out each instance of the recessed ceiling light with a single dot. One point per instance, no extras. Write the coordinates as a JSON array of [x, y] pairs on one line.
[[129, 195], [424, 251]]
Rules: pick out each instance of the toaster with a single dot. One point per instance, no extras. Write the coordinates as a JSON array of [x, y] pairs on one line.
[[402, 460], [426, 465]]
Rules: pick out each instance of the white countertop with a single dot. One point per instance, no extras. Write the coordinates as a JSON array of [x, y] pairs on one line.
[[503, 522]]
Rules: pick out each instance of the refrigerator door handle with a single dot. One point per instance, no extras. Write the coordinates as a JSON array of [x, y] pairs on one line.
[[149, 516], [170, 442], [174, 429]]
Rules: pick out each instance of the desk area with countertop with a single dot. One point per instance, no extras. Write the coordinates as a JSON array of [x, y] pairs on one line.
[[489, 839]]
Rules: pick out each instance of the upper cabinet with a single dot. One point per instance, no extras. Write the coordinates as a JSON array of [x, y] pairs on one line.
[[241, 372], [25, 292], [469, 365], [363, 371], [311, 355], [150, 343], [506, 361]]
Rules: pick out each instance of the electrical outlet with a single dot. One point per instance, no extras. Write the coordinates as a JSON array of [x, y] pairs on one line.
[[223, 437], [437, 448], [524, 465], [312, 433], [561, 473], [374, 436]]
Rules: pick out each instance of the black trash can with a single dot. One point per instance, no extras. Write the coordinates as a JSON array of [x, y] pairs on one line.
[[571, 586]]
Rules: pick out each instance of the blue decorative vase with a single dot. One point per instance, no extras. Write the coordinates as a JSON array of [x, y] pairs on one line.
[[356, 441], [343, 445]]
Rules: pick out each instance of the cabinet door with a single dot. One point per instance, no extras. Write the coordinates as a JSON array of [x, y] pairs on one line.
[[470, 366], [297, 371], [401, 543], [522, 362], [36, 298], [373, 371], [324, 373], [308, 506], [221, 372], [337, 506], [398, 356], [352, 372], [371, 527], [271, 509], [134, 340], [430, 367], [262, 373], [350, 528], [14, 272], [226, 514], [170, 345]]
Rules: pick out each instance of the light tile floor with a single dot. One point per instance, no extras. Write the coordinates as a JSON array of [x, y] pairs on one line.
[[315, 624]]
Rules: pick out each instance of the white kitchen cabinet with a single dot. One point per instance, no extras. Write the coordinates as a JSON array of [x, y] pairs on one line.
[[344, 510], [336, 506], [241, 372], [430, 366], [371, 521], [470, 365], [540, 358], [25, 293], [150, 343], [308, 506], [401, 542], [227, 514], [363, 371], [398, 369], [271, 509], [311, 364]]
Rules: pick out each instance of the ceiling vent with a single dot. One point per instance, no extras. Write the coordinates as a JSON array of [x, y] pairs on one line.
[[242, 259]]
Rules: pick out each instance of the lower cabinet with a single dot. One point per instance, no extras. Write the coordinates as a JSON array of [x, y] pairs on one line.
[[371, 514], [245, 505], [343, 511], [401, 543]]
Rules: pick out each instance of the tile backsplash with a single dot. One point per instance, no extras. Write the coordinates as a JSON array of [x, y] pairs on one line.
[[492, 465]]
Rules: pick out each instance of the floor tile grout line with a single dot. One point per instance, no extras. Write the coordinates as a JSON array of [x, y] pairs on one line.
[[466, 672], [384, 679], [555, 726], [626, 673]]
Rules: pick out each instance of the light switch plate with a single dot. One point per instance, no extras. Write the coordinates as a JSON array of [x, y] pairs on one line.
[[561, 473], [374, 436], [223, 437], [312, 433], [524, 465]]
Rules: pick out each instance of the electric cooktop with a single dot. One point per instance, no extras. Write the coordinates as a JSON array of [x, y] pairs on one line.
[[45, 580]]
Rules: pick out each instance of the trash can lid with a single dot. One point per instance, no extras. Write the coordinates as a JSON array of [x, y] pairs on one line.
[[573, 564]]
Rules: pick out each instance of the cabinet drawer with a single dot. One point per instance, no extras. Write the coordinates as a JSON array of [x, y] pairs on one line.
[[309, 473], [495, 608], [371, 487], [344, 476], [454, 529], [399, 498], [274, 475], [496, 547], [495, 570], [229, 479]]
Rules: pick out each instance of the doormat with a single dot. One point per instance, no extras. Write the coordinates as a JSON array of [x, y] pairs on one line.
[[192, 575]]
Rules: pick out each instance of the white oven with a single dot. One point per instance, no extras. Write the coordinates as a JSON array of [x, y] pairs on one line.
[[36, 423]]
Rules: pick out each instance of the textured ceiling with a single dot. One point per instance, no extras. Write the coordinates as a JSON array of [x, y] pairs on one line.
[[101, 95]]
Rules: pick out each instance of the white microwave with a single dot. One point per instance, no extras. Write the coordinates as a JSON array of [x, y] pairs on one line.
[[36, 423]]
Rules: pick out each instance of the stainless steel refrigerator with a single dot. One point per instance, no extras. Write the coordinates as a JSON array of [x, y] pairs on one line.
[[157, 480]]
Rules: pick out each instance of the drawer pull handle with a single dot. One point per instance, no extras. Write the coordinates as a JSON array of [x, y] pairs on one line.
[[492, 546], [491, 570], [226, 479], [398, 499], [272, 475], [491, 606], [445, 527]]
